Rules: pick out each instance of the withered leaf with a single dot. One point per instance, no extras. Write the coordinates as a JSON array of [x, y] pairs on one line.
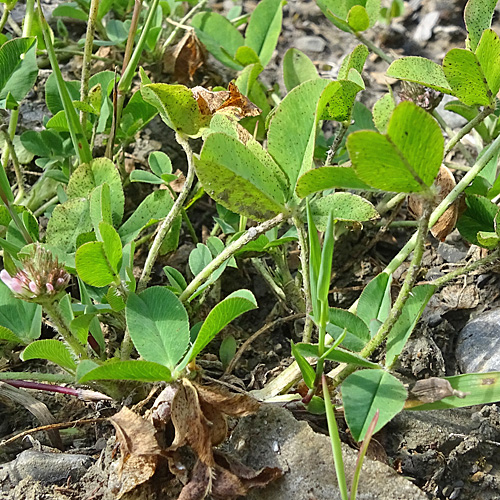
[[139, 450], [234, 405], [200, 483], [191, 426], [231, 102], [445, 182], [434, 389], [218, 423], [162, 407], [189, 56]]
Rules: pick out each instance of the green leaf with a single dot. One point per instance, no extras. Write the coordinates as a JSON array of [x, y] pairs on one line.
[[239, 180], [100, 206], [337, 99], [7, 335], [358, 333], [308, 372], [175, 279], [478, 388], [51, 349], [160, 163], [488, 55], [224, 312], [339, 355], [420, 70], [176, 105], [343, 206], [382, 111], [466, 77], [355, 60], [153, 208], [112, 245], [401, 331], [358, 19], [319, 179], [469, 113], [264, 29], [375, 300], [67, 222], [143, 176], [246, 57], [23, 319], [292, 130], [477, 15], [52, 97], [365, 392], [93, 266], [227, 351], [406, 159], [139, 370], [158, 325], [88, 176], [220, 37], [18, 68], [297, 69], [248, 77], [68, 10], [479, 216]]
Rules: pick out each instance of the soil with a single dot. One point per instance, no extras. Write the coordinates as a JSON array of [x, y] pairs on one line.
[[449, 454]]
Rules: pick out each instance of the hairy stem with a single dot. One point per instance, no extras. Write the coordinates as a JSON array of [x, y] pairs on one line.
[[169, 219], [251, 234], [404, 294], [306, 279], [87, 58]]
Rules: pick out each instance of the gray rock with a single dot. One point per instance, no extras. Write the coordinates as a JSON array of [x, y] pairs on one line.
[[452, 119], [478, 344], [274, 438], [54, 468], [310, 44], [450, 253]]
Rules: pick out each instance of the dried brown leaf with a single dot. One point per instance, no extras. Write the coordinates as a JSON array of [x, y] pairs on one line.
[[445, 182], [230, 102], [200, 483], [162, 407], [234, 405], [191, 426], [189, 56], [139, 450], [218, 424]]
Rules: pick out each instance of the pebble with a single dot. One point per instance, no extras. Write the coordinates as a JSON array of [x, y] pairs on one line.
[[310, 44], [450, 253], [53, 468], [478, 344], [426, 26]]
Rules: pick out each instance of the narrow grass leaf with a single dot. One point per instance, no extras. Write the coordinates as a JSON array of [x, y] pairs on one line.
[[138, 370]]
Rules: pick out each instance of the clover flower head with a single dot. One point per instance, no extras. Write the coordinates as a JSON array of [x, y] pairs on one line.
[[41, 278], [424, 97]]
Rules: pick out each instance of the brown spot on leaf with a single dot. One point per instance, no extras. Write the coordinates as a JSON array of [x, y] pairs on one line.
[[487, 381]]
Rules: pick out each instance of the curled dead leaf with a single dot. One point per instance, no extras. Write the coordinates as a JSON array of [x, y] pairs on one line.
[[433, 389], [139, 451], [445, 182], [189, 56], [230, 102]]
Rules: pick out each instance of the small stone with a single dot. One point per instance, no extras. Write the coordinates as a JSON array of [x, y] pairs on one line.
[[426, 26], [478, 344], [310, 44], [451, 253]]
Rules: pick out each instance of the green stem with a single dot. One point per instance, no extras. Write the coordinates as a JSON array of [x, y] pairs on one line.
[[467, 128], [15, 162], [251, 234], [266, 275], [78, 137], [54, 313], [306, 279], [185, 217], [129, 69], [61, 378], [333, 430], [377, 50], [336, 142], [169, 219], [404, 294], [5, 16], [127, 346], [87, 58]]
